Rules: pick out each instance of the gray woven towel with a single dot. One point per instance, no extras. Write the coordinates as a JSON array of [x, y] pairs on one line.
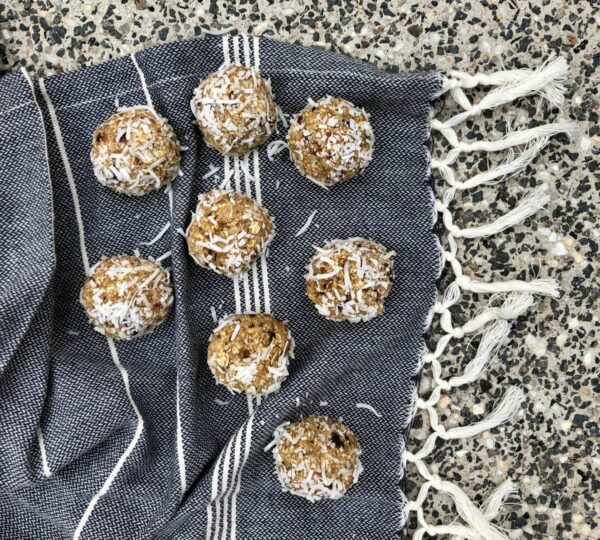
[[79, 457]]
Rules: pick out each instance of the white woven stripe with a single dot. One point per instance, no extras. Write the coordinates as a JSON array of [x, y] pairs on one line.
[[256, 43], [143, 81], [236, 464], [248, 444], [263, 257], [226, 57], [247, 60], [136, 437], [213, 495], [236, 49], [69, 173], [44, 456], [124, 375], [224, 482], [40, 435], [178, 428], [236, 279], [250, 424], [179, 441]]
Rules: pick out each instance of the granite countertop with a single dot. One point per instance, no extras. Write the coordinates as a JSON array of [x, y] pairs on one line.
[[551, 448]]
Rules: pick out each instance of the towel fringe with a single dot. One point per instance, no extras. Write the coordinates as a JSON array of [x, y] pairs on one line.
[[493, 322]]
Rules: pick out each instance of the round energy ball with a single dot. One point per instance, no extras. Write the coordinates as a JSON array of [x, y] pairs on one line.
[[235, 110], [331, 141], [135, 151], [126, 297], [316, 458], [228, 232], [250, 353], [350, 279]]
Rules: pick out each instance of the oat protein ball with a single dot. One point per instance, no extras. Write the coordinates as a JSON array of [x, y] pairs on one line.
[[135, 151], [235, 110], [331, 141], [126, 297], [228, 232], [316, 458], [349, 280], [250, 353]]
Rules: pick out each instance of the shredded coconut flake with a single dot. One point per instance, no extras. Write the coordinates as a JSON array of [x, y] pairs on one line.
[[212, 171], [158, 236], [213, 312], [305, 227], [221, 403], [369, 408], [274, 148]]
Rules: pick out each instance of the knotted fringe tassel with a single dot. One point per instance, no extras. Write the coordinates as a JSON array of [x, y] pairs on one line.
[[493, 322], [546, 81]]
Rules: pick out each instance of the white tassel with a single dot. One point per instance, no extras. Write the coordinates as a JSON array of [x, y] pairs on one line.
[[515, 305], [510, 404], [515, 138], [467, 510], [546, 81], [544, 287], [494, 504], [508, 489], [490, 343], [500, 78], [509, 167], [529, 206]]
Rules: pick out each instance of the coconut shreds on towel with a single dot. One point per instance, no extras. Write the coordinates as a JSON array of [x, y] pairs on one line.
[[105, 439]]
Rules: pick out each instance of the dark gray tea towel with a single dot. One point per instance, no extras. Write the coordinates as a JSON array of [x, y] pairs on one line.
[[134, 440]]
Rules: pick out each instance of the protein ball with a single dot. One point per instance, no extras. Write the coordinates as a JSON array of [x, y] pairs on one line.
[[235, 110], [126, 297], [135, 151], [350, 279], [228, 232], [331, 141], [250, 353], [316, 458]]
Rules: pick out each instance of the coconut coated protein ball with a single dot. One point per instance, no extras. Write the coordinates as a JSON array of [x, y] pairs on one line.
[[135, 151], [235, 110], [331, 141], [126, 297], [228, 232], [250, 353], [316, 458], [349, 280]]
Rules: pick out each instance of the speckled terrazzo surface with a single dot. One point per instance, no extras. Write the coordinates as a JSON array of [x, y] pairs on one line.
[[551, 449]]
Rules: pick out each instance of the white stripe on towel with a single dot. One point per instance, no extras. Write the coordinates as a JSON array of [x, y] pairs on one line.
[[124, 375], [40, 435]]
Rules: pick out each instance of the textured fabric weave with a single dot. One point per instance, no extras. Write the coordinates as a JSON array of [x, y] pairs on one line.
[[60, 388]]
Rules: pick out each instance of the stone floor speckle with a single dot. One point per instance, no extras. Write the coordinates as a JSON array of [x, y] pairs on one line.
[[551, 448]]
